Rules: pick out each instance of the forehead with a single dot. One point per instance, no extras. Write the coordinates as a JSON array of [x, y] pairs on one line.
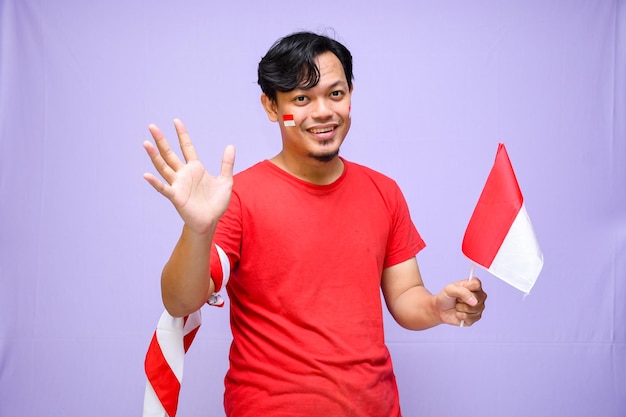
[[329, 62], [330, 70]]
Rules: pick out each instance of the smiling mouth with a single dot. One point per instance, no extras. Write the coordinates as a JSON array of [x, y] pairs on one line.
[[322, 130]]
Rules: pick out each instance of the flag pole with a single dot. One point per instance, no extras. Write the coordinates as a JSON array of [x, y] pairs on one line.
[[471, 275]]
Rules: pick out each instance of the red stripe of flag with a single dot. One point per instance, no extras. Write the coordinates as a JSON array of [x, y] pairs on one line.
[[497, 207], [288, 120]]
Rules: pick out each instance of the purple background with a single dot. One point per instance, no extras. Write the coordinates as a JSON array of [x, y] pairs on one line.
[[438, 84]]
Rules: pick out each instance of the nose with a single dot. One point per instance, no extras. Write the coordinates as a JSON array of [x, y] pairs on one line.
[[322, 109]]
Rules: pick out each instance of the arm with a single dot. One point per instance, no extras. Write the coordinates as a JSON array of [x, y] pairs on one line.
[[200, 200], [415, 308]]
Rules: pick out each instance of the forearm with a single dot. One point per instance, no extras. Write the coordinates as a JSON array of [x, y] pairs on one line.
[[186, 282], [415, 309]]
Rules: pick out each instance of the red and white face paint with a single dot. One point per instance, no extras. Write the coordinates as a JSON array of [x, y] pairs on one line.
[[288, 120]]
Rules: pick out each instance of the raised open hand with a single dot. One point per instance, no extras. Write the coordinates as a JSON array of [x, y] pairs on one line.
[[199, 198]]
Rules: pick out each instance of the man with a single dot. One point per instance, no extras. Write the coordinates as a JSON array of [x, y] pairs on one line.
[[306, 240]]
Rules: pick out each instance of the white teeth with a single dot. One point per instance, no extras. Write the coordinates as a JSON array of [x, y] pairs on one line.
[[328, 129]]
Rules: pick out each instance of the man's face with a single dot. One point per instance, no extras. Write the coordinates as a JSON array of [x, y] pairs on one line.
[[321, 115]]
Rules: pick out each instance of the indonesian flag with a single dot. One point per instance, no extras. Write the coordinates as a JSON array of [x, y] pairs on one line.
[[288, 120], [500, 236]]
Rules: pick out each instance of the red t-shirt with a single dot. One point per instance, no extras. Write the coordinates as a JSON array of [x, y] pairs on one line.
[[305, 305]]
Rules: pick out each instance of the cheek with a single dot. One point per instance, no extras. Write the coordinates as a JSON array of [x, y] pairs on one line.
[[347, 122], [292, 116], [346, 113], [345, 109]]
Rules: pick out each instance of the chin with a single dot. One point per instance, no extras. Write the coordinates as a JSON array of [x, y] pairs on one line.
[[324, 157]]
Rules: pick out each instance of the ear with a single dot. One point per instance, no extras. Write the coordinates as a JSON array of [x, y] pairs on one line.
[[270, 108]]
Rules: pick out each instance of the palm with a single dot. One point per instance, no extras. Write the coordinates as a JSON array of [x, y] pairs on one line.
[[198, 197]]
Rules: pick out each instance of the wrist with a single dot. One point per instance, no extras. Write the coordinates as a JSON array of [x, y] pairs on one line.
[[199, 234], [437, 309]]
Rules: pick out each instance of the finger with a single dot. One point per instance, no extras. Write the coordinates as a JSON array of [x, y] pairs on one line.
[[472, 284], [162, 188], [228, 161], [168, 155], [462, 307], [458, 291], [475, 286], [159, 163], [189, 152], [467, 319]]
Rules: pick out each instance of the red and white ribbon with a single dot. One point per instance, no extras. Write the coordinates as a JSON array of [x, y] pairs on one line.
[[171, 340], [164, 363]]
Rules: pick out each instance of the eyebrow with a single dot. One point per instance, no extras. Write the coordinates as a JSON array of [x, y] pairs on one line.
[[329, 87], [338, 83]]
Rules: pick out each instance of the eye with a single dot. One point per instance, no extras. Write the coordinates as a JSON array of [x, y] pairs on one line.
[[337, 94], [301, 99]]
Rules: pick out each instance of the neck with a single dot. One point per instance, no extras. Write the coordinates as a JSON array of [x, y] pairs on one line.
[[314, 171]]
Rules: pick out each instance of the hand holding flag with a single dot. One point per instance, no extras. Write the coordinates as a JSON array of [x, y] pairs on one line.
[[461, 302]]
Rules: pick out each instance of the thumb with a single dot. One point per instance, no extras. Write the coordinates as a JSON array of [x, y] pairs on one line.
[[460, 291], [228, 161]]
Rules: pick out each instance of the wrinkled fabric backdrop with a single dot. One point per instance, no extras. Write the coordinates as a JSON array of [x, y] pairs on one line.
[[438, 84]]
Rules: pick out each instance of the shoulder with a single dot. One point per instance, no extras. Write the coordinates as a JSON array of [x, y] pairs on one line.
[[252, 175], [374, 185], [255, 169], [364, 173]]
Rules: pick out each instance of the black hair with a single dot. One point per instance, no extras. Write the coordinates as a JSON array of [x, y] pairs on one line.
[[290, 62]]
